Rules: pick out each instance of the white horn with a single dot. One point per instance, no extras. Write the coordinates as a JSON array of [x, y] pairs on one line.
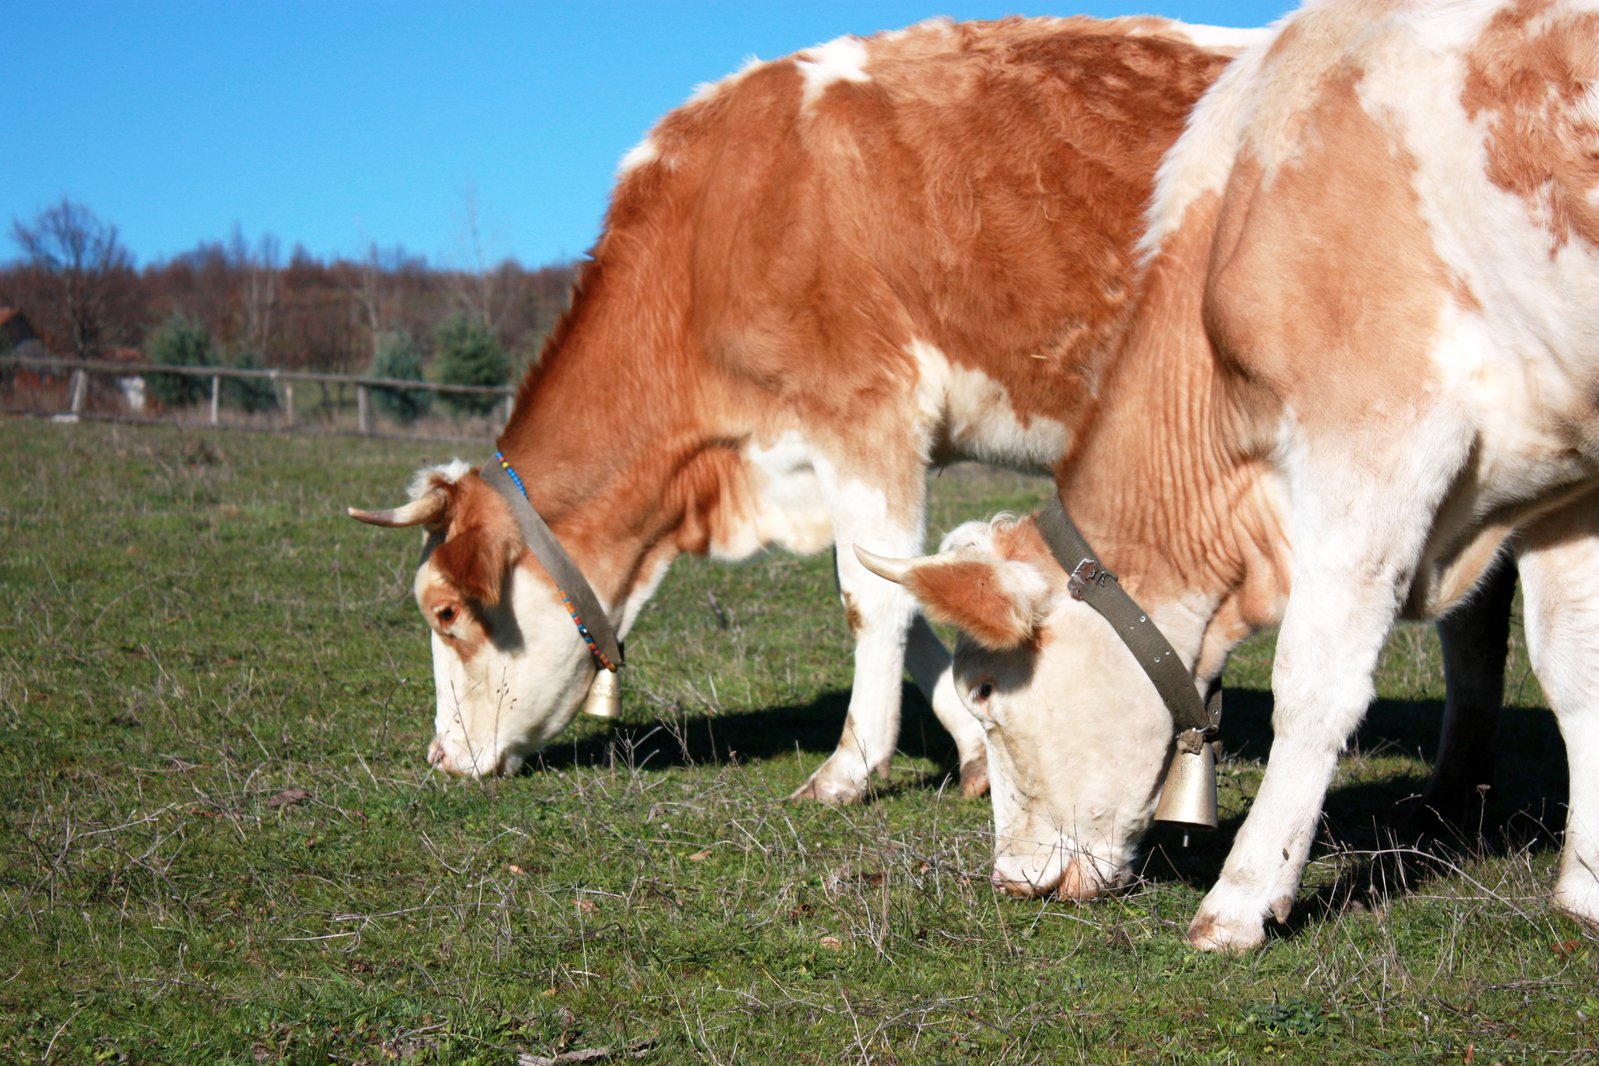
[[418, 512], [881, 565]]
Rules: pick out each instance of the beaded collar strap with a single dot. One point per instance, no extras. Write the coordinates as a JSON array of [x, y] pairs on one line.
[[581, 603]]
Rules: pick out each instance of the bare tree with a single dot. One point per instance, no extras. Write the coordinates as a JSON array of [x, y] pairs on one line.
[[478, 290], [377, 292], [84, 274], [258, 269]]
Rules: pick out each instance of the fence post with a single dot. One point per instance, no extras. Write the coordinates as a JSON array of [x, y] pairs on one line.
[[360, 408], [216, 397], [288, 401], [80, 385]]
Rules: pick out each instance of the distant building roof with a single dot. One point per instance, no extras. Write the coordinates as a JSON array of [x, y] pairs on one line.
[[15, 328]]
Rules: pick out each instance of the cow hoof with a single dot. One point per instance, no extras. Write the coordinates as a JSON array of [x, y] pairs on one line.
[[1449, 813], [974, 778], [1208, 932], [1578, 896]]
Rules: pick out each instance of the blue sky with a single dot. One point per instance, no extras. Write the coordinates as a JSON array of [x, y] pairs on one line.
[[339, 123]]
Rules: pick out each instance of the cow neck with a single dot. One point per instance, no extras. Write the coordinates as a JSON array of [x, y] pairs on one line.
[[592, 622], [592, 435], [1158, 483]]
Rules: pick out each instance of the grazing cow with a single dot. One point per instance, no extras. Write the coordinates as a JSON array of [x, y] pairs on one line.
[[817, 278], [1364, 366]]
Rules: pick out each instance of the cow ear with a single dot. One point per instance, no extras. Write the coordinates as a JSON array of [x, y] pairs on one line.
[[483, 544], [997, 602], [475, 561]]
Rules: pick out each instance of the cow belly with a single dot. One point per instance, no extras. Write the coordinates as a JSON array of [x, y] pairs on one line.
[[782, 503], [970, 415]]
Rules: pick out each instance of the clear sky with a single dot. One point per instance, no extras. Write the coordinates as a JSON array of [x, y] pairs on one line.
[[339, 123]]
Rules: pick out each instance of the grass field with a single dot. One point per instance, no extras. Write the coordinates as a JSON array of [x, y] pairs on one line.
[[220, 843]]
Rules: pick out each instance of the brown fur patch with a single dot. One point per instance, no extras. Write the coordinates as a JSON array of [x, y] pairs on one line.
[[482, 543], [706, 492], [1543, 142], [852, 615], [1334, 317], [981, 192], [970, 594]]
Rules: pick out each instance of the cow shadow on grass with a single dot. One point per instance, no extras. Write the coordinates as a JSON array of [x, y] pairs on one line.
[[678, 738], [1371, 828], [1381, 853]]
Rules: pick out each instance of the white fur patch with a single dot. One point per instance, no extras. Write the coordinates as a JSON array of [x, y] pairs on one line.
[[843, 59], [788, 508], [977, 535], [641, 154], [422, 481], [1203, 156], [977, 416], [1222, 38]]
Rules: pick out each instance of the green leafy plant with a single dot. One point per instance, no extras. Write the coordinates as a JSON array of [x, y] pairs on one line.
[[180, 341], [255, 395], [399, 357], [468, 354]]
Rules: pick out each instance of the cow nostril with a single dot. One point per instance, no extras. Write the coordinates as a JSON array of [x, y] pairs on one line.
[[436, 756]]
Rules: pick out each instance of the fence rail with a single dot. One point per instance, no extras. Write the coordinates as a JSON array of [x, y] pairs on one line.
[[283, 382]]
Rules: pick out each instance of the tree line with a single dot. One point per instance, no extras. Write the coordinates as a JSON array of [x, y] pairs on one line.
[[244, 303]]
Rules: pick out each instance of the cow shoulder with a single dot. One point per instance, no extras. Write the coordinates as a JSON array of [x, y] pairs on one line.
[[1325, 286]]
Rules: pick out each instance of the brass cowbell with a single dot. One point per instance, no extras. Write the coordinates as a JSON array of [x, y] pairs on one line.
[[605, 696], [1189, 795]]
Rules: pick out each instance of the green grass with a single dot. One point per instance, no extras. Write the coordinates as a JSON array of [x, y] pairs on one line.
[[219, 842]]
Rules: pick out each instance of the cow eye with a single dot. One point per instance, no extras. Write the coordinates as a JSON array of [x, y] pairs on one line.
[[445, 614], [981, 693]]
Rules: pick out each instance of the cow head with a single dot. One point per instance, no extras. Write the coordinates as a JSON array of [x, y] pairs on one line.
[[509, 667], [1077, 735]]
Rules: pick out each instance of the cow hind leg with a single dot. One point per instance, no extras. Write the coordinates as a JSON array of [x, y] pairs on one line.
[[930, 666], [1559, 562], [879, 614], [1475, 639]]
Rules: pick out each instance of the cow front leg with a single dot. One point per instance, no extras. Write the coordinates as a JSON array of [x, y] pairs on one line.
[[930, 666], [1355, 554], [879, 614], [1320, 697], [1559, 562]]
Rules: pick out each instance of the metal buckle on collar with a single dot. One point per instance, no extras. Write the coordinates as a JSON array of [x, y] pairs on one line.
[[1088, 572]]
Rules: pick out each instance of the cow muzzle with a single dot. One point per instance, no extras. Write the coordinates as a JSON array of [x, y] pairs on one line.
[[504, 763], [1082, 878]]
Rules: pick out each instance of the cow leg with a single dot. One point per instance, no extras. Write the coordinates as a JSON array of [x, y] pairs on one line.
[[930, 666], [1355, 549], [1559, 562], [889, 636], [879, 614], [1474, 638]]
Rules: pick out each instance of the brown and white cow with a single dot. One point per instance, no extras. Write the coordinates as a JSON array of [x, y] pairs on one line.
[[817, 278], [1365, 364]]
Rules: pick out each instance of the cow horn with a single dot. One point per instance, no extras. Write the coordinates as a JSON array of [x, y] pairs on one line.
[[418, 512], [881, 565]]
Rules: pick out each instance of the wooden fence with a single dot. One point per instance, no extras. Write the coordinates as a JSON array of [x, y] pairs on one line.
[[283, 382]]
